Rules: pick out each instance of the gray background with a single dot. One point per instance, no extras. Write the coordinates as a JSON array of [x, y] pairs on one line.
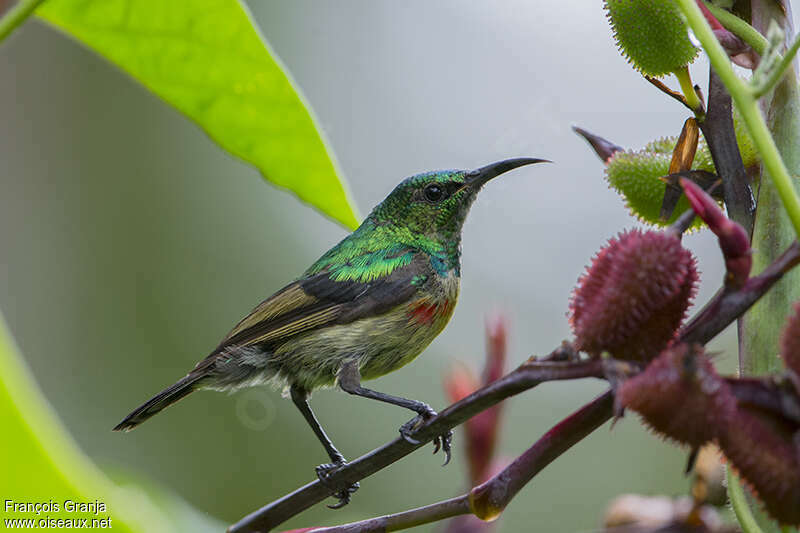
[[131, 243]]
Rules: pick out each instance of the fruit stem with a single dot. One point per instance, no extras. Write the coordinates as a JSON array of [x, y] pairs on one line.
[[687, 88]]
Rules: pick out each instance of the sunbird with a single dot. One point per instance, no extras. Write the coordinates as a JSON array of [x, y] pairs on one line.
[[368, 306]]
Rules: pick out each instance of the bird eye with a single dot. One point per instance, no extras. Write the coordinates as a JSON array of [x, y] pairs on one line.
[[433, 193]]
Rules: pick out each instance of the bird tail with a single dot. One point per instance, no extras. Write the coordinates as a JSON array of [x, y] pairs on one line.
[[166, 397]]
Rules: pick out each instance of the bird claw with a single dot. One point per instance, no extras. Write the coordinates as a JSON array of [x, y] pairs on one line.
[[441, 442], [344, 495], [445, 440]]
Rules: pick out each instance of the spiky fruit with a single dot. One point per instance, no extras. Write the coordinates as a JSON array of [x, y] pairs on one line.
[[681, 396], [651, 34], [636, 174], [766, 452], [790, 346], [634, 296]]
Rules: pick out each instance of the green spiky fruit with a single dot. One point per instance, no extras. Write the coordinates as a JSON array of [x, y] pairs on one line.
[[651, 34], [636, 174]]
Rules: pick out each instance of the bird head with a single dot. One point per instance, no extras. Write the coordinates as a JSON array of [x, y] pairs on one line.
[[435, 204]]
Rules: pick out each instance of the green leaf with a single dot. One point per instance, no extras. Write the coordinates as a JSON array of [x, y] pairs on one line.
[[40, 463], [207, 59]]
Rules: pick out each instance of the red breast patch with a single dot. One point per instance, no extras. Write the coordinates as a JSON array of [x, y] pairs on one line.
[[425, 313]]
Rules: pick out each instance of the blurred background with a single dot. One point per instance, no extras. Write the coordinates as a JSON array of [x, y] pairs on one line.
[[130, 244]]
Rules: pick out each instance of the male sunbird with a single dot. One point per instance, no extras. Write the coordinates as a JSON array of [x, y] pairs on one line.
[[368, 306]]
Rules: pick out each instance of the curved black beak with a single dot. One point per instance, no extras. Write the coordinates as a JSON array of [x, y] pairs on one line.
[[477, 177]]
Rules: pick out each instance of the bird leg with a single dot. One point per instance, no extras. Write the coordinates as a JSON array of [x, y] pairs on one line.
[[350, 382], [300, 399]]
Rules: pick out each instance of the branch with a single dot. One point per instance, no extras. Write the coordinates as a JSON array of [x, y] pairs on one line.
[[721, 138], [728, 304], [527, 376], [487, 500], [677, 95]]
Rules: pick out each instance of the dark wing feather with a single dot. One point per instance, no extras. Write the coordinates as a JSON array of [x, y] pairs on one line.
[[318, 301]]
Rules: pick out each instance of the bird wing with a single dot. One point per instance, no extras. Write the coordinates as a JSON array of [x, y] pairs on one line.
[[332, 296]]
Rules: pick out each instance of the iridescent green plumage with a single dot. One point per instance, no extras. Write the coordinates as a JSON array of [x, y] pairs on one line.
[[368, 306]]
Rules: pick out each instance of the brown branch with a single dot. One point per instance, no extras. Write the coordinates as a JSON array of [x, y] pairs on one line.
[[487, 500], [677, 95], [728, 304], [725, 307], [527, 376], [718, 131]]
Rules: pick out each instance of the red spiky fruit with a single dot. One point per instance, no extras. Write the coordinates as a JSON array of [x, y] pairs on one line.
[[681, 395], [765, 450], [634, 296], [790, 346]]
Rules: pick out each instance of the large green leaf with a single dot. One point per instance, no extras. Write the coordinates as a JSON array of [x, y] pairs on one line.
[[207, 59], [40, 463]]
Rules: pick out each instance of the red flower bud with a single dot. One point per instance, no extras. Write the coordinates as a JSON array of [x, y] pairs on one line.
[[460, 382], [681, 396], [733, 239], [496, 343], [634, 295]]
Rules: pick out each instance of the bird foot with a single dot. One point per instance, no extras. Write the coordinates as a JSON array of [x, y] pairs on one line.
[[324, 472], [441, 442]]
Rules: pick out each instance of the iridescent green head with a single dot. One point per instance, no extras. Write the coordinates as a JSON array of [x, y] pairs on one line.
[[435, 204]]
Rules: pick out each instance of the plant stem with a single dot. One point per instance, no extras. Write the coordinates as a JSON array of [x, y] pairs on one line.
[[739, 28], [16, 16], [779, 70], [740, 504], [747, 104]]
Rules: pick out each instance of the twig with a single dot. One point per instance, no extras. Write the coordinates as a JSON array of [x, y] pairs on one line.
[[487, 500], [677, 95], [490, 498], [527, 376], [727, 305], [415, 517]]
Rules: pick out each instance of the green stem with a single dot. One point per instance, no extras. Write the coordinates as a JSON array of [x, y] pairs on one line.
[[757, 42], [747, 104], [740, 28], [16, 16], [778, 71], [687, 88], [740, 505]]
